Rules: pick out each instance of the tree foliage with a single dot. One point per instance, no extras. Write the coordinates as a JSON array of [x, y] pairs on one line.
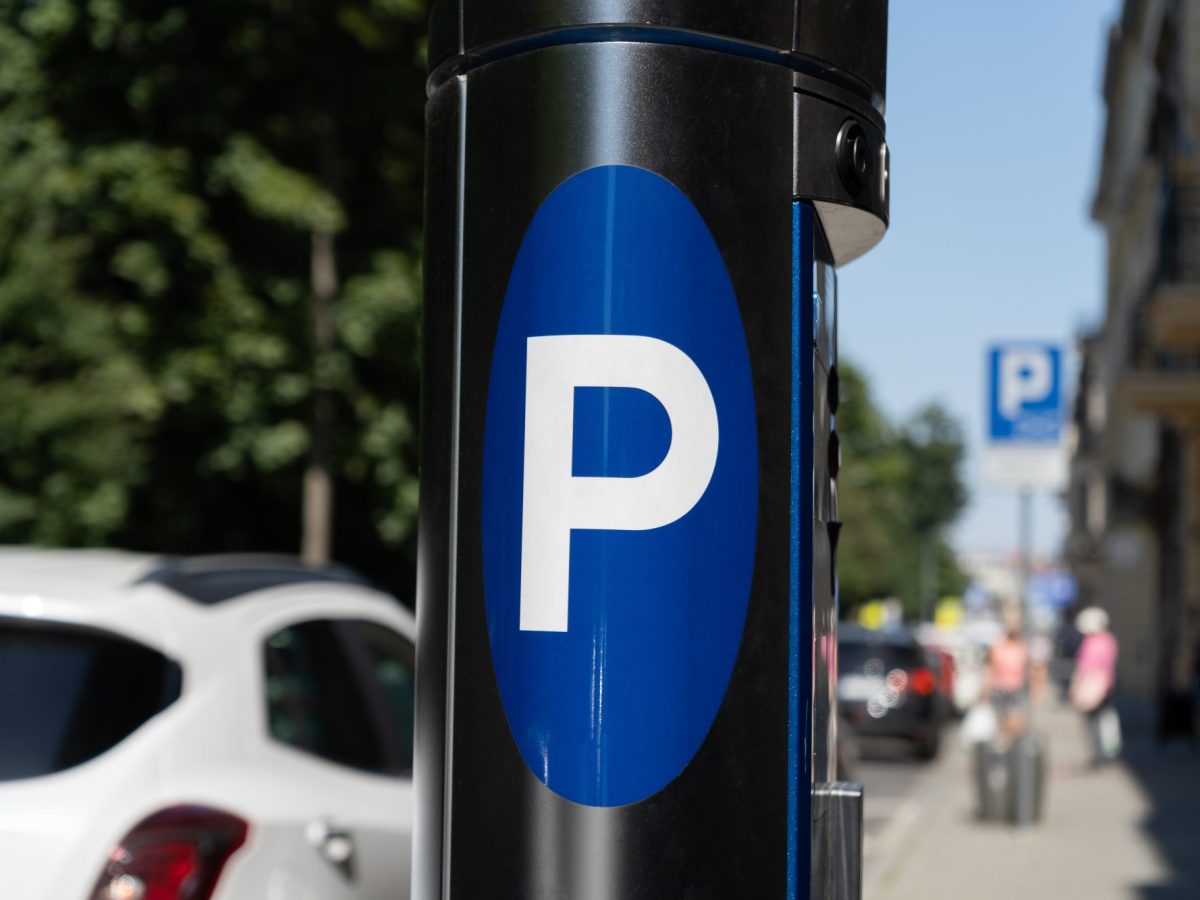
[[163, 166], [898, 490]]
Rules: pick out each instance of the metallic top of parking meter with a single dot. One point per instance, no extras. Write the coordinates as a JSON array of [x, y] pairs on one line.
[[836, 50], [841, 41]]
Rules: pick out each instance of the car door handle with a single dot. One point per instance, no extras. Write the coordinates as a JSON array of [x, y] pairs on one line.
[[334, 843]]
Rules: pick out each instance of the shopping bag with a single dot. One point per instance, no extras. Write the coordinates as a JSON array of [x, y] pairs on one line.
[[1088, 691], [979, 725], [1109, 728]]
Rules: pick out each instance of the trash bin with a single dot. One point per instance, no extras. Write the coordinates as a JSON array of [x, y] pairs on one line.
[[1027, 769], [1010, 782], [992, 779]]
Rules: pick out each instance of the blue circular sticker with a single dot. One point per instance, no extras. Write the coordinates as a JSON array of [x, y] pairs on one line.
[[620, 487]]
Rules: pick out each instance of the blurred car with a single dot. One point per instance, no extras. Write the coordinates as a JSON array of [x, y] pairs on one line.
[[943, 661], [966, 645], [201, 729], [888, 688]]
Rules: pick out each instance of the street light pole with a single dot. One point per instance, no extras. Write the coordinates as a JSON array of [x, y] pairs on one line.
[[1025, 549], [1025, 752]]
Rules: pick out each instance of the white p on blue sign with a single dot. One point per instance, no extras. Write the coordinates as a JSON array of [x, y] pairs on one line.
[[1025, 416], [1025, 398]]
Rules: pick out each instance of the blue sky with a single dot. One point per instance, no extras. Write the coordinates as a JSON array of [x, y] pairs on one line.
[[995, 121]]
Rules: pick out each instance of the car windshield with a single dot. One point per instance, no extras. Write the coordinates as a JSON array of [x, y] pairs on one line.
[[67, 695]]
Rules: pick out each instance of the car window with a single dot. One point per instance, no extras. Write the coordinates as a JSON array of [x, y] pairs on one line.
[[875, 659], [390, 669], [342, 690], [75, 693]]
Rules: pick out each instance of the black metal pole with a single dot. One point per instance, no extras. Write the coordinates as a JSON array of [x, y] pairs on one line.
[[1025, 763], [626, 599]]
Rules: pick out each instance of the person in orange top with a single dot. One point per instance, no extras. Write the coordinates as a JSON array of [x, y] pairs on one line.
[[1007, 684]]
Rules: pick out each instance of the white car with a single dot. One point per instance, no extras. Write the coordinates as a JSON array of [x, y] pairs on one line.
[[216, 728]]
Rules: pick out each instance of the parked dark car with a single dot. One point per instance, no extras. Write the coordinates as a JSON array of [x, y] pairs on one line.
[[942, 661], [888, 688]]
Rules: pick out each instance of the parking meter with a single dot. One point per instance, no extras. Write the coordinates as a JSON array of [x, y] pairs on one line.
[[626, 582]]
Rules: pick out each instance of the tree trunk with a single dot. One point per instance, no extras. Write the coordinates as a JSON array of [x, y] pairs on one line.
[[317, 525], [927, 577]]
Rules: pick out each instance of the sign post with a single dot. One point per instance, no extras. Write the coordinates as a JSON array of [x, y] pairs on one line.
[[1024, 451], [628, 520]]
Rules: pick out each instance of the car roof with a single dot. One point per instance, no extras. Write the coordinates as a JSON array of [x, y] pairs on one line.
[[850, 633], [109, 574], [99, 573], [214, 579]]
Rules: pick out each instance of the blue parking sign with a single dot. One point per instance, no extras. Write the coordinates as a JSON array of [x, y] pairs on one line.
[[620, 487], [1025, 398]]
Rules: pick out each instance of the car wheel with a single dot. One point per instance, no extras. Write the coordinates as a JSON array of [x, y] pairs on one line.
[[929, 744]]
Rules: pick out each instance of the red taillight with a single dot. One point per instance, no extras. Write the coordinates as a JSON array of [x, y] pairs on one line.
[[175, 854], [922, 682]]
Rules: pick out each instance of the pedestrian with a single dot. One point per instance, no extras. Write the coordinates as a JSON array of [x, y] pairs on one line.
[[1066, 645], [1093, 683], [1007, 685]]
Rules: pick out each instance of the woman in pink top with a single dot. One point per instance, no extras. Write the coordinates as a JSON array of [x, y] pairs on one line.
[[1094, 679]]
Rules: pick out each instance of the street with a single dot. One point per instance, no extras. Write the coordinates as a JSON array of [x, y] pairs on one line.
[[892, 777], [1123, 832], [897, 786]]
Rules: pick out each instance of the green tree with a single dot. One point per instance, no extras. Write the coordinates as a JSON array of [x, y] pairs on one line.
[[898, 490], [870, 501], [932, 446], [209, 272]]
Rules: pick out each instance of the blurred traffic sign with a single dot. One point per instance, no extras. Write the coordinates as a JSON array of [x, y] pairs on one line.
[[1025, 416], [1055, 588]]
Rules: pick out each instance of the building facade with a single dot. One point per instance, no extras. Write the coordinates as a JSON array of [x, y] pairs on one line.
[[1134, 494]]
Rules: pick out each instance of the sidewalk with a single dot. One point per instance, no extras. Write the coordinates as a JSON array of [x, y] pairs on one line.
[[1130, 830]]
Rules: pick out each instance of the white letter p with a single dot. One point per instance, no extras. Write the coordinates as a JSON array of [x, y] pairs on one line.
[[1026, 376], [556, 501]]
